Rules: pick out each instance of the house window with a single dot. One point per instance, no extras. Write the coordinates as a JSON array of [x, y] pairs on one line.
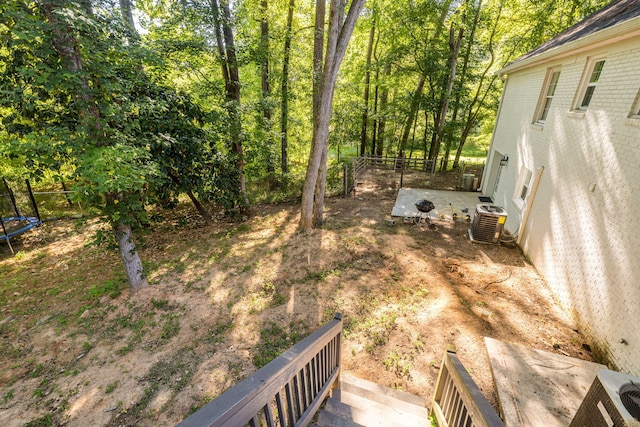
[[523, 187], [635, 109], [549, 90], [594, 71]]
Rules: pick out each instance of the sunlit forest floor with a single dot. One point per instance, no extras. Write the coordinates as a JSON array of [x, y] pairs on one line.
[[77, 349]]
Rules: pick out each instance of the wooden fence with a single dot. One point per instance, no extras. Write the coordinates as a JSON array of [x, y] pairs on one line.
[[360, 164], [397, 163], [287, 392]]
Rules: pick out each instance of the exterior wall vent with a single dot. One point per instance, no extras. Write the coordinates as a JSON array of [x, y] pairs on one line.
[[612, 400], [488, 223]]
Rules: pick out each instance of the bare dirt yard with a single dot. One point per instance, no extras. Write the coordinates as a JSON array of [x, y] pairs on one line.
[[77, 349]]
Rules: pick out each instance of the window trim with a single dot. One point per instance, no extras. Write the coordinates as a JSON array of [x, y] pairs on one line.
[[546, 98], [523, 187], [635, 108], [586, 83]]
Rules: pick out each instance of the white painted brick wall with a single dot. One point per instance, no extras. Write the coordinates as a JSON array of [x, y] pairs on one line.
[[585, 244]]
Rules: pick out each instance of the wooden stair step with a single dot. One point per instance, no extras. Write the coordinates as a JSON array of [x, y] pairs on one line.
[[393, 410], [380, 396], [381, 390], [370, 417], [328, 419]]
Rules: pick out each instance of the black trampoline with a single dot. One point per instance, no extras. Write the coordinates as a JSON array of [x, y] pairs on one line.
[[18, 212]]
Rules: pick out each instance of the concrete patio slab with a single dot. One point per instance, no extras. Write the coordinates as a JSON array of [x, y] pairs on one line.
[[407, 197], [538, 388]]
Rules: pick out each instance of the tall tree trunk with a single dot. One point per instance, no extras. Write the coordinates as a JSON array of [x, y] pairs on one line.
[[478, 101], [285, 90], [266, 88], [413, 134], [66, 46], [466, 57], [129, 255], [415, 104], [338, 38], [196, 203], [454, 49], [227, 51], [367, 89], [126, 10], [376, 99], [444, 11], [384, 100], [425, 133], [321, 185], [318, 54]]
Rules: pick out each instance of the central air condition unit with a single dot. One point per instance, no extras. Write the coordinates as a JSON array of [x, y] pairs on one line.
[[488, 223], [612, 400]]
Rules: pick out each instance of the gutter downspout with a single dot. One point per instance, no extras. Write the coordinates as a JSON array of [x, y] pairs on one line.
[[527, 212]]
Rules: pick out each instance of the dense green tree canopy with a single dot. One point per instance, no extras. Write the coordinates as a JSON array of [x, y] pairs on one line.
[[136, 102]]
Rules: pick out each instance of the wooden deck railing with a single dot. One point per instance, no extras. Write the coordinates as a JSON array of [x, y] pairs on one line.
[[424, 165], [287, 392], [457, 401]]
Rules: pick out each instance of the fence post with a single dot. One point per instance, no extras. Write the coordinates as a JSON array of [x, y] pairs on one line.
[[346, 179]]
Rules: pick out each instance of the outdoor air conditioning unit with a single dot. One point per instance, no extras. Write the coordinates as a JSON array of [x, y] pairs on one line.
[[488, 223], [612, 400]]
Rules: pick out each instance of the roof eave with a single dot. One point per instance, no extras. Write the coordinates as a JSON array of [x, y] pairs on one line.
[[625, 30]]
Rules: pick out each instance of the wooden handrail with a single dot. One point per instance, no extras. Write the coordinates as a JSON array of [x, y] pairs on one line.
[[457, 401], [424, 165], [289, 389]]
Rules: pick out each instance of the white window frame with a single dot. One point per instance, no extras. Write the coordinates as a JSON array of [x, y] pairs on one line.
[[635, 109], [547, 93], [523, 187], [589, 83]]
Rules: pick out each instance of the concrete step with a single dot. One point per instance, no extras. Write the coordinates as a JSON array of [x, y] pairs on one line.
[[328, 419], [367, 395]]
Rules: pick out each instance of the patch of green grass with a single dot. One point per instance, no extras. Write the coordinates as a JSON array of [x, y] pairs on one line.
[[270, 290], [316, 276], [217, 332], [149, 266], [396, 363], [7, 396], [160, 304], [57, 290], [43, 421], [175, 372], [112, 288], [37, 371], [274, 340], [111, 387], [179, 267], [124, 350], [422, 293], [377, 329], [170, 328]]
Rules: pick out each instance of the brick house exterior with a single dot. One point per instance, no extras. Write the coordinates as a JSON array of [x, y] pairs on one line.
[[569, 123]]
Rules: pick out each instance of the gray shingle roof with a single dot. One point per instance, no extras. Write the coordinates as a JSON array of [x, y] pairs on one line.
[[616, 12]]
